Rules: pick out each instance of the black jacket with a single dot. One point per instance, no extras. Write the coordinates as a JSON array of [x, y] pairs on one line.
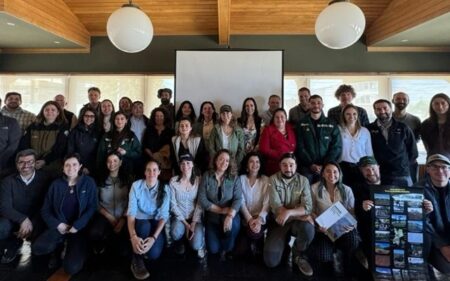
[[395, 155]]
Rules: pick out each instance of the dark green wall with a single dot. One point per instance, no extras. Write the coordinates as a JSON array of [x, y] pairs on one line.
[[302, 54]]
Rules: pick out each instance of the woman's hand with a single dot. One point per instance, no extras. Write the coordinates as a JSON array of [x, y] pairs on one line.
[[323, 229], [227, 223], [190, 230], [367, 205], [137, 244], [73, 230], [148, 244], [255, 224]]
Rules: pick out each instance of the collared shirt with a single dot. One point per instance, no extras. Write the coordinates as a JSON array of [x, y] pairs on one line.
[[143, 203], [357, 146], [23, 117], [256, 197], [322, 203], [289, 193], [27, 182]]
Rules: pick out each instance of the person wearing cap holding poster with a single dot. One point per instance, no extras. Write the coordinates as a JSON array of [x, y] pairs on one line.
[[437, 207]]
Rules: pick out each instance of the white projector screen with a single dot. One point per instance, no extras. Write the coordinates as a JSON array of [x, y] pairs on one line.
[[228, 77]]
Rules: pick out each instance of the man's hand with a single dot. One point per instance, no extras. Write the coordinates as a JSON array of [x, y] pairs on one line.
[[63, 228], [26, 227], [283, 215]]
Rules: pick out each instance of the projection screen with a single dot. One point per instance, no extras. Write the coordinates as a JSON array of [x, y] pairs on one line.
[[228, 77]]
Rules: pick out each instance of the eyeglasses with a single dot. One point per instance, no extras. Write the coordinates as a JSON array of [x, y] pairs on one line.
[[439, 167], [89, 116], [23, 163]]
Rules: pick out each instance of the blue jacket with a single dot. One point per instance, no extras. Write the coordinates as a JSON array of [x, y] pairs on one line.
[[86, 190]]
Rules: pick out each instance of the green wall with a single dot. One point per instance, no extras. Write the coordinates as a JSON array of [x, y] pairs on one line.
[[301, 54]]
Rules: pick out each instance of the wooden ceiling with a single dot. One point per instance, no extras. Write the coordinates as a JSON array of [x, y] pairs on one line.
[[78, 20]]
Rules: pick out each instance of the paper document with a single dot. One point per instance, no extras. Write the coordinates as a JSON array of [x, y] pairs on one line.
[[336, 219]]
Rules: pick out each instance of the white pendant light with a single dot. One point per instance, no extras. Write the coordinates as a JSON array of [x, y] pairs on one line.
[[340, 25], [129, 29]]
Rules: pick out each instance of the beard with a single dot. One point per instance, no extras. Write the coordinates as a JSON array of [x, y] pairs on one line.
[[373, 179], [384, 117], [400, 106], [287, 175], [165, 101]]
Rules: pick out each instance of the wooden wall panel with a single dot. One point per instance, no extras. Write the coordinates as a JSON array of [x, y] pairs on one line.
[[402, 15], [51, 15]]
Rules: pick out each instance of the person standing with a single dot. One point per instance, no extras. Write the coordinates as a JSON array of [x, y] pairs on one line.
[[435, 130], [318, 141], [10, 135], [94, 95], [401, 101], [345, 94], [274, 103], [12, 109], [165, 95], [299, 111], [393, 145], [70, 116]]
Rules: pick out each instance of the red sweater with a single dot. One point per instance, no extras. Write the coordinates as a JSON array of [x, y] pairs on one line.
[[273, 145]]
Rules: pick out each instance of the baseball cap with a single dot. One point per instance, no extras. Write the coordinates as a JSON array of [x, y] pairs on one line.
[[367, 160], [225, 108], [437, 157]]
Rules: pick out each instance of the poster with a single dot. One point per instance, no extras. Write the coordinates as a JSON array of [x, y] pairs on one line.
[[398, 224]]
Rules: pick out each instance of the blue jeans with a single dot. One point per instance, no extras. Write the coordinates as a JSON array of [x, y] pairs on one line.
[[218, 241], [146, 228], [178, 230]]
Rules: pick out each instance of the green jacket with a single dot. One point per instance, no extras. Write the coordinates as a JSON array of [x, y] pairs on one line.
[[236, 144], [318, 148]]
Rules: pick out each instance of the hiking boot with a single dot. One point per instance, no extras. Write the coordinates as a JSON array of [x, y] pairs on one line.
[[304, 266], [138, 268]]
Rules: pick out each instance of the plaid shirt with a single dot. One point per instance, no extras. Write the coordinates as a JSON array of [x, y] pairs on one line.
[[23, 117]]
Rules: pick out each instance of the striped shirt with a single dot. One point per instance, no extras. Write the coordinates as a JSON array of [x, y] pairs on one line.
[[183, 200]]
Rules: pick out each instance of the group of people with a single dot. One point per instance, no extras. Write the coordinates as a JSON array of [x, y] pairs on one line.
[[222, 185]]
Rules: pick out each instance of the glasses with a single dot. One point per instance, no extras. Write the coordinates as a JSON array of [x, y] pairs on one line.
[[89, 116], [439, 167], [23, 163]]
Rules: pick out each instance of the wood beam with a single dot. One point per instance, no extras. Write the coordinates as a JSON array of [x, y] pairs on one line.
[[223, 12], [401, 15], [53, 16]]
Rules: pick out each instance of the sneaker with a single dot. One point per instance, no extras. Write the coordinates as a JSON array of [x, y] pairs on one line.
[[201, 253], [138, 268], [8, 256], [304, 266]]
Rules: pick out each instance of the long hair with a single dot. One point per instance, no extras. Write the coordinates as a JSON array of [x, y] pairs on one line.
[[179, 114], [152, 122], [95, 125], [201, 118], [125, 179], [343, 122], [433, 114], [160, 192], [118, 137], [101, 116], [242, 120], [339, 184], [60, 119]]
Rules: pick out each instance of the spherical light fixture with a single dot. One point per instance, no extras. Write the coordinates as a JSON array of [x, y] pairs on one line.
[[129, 29], [340, 25]]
